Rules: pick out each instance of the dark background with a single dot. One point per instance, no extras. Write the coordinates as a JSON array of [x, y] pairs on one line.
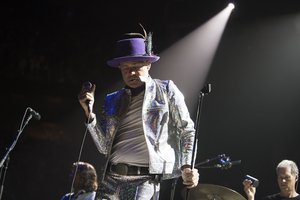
[[49, 48]]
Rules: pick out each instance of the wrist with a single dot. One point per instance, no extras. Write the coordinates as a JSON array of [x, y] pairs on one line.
[[184, 167], [90, 117]]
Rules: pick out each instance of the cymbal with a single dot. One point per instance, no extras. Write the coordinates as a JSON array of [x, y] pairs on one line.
[[213, 192]]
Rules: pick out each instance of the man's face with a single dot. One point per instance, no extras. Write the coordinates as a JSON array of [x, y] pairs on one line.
[[132, 71], [286, 180]]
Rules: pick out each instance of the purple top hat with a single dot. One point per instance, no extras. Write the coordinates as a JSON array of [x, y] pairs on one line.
[[133, 49]]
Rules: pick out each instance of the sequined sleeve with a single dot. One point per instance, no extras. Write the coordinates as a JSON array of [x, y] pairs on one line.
[[184, 126], [98, 136]]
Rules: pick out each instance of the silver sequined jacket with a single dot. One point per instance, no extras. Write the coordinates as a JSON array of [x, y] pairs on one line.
[[168, 128]]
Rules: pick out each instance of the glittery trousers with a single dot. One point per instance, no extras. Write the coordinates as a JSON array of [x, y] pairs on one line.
[[119, 187]]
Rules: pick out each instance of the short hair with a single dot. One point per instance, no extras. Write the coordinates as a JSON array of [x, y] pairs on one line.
[[291, 164], [87, 176]]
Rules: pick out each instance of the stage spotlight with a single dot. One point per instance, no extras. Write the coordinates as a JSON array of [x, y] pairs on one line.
[[195, 52], [231, 6]]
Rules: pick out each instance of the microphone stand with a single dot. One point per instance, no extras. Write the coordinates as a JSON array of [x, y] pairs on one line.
[[203, 92], [3, 179], [210, 160], [6, 156]]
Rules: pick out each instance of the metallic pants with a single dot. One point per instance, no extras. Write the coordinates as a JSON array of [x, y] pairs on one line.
[[119, 187]]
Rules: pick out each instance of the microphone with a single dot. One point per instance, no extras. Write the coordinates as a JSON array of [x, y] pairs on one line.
[[232, 163], [206, 89], [34, 114], [228, 164], [88, 86]]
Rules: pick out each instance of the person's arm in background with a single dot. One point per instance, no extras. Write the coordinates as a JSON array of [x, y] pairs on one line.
[[249, 189]]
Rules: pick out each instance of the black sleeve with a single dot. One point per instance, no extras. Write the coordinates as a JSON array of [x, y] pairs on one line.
[[273, 197]]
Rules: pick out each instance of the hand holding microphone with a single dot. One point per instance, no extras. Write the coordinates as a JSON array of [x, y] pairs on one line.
[[86, 97]]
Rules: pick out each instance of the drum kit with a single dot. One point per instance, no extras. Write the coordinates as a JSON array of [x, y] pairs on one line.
[[213, 192], [210, 191]]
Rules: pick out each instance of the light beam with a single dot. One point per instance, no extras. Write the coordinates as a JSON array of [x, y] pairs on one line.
[[188, 61]]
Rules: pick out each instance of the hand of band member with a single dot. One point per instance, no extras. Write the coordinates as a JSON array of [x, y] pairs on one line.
[[86, 97], [190, 177], [249, 189]]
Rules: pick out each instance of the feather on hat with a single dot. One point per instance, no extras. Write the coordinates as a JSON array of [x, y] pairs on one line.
[[134, 49]]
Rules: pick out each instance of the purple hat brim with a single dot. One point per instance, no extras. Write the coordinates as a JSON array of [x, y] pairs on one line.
[[116, 61]]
